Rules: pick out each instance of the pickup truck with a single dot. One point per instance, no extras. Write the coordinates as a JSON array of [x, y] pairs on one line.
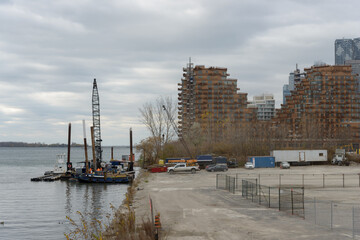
[[183, 167]]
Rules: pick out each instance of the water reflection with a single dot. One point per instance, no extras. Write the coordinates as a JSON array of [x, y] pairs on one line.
[[92, 200]]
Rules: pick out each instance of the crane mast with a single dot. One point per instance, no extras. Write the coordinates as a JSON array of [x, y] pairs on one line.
[[96, 123]]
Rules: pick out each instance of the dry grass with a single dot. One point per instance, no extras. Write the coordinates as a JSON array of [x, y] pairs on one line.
[[122, 226]]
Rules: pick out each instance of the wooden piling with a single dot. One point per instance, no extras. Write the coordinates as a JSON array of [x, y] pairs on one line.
[[93, 147], [85, 147], [69, 165]]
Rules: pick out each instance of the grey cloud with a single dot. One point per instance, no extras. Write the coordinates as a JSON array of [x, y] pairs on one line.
[[51, 50]]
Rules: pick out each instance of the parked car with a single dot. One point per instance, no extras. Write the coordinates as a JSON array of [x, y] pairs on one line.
[[183, 167], [249, 165], [232, 163], [217, 168], [284, 165]]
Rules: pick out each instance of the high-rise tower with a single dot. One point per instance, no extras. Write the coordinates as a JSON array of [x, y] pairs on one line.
[[346, 49], [207, 96]]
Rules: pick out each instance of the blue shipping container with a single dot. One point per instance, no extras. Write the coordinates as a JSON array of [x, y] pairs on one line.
[[262, 161]]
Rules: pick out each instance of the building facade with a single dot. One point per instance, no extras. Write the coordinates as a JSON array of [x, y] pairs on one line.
[[346, 49], [295, 77], [325, 104], [265, 106], [208, 97]]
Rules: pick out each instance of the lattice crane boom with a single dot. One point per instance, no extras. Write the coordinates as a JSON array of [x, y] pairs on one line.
[[96, 123]]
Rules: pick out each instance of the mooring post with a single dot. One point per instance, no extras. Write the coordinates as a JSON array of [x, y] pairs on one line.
[[85, 147], [69, 164], [131, 146], [93, 147]]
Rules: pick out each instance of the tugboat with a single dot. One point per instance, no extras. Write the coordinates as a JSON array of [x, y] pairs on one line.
[[59, 167], [55, 174]]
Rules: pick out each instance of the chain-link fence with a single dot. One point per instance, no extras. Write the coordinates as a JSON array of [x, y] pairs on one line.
[[226, 182], [285, 199], [334, 215], [302, 180]]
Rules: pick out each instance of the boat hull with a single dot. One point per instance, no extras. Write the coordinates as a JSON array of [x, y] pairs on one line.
[[89, 178]]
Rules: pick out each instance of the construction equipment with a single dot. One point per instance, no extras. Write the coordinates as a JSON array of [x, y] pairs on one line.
[[96, 123], [340, 158], [177, 132]]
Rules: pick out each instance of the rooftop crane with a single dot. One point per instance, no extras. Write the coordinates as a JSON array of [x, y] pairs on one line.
[[177, 132], [96, 123]]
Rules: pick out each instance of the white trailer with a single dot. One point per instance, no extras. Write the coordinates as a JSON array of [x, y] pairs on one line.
[[299, 156]]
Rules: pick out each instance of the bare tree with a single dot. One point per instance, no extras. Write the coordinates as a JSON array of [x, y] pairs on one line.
[[157, 122]]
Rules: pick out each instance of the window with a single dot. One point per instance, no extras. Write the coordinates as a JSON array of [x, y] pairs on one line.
[[321, 154]]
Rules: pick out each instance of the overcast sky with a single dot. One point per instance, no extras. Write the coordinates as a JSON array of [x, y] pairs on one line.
[[50, 52]]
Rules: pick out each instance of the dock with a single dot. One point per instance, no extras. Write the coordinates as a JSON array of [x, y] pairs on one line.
[[47, 178]]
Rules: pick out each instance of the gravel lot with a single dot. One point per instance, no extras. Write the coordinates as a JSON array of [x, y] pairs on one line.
[[192, 208]]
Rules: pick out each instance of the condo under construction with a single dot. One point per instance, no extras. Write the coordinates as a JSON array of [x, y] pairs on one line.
[[208, 97], [324, 105]]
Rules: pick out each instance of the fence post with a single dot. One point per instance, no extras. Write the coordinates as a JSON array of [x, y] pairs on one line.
[[259, 178], [331, 215], [269, 196], [292, 203], [247, 189], [303, 200], [279, 199], [279, 180], [256, 186], [353, 220], [252, 192], [236, 182], [260, 194], [315, 209], [228, 182], [234, 185], [323, 180], [303, 181], [217, 180]]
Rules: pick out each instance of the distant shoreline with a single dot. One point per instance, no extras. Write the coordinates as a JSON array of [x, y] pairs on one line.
[[23, 144]]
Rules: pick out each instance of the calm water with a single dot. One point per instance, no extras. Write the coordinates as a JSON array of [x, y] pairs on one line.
[[38, 210]]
